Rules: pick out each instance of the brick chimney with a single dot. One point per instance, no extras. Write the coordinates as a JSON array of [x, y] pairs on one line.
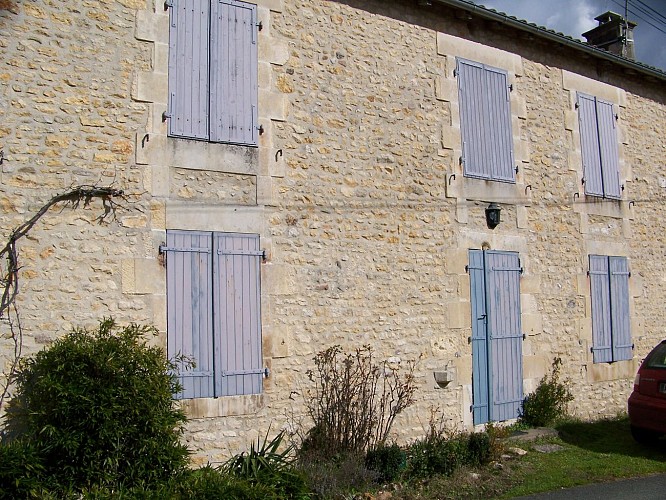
[[613, 34]]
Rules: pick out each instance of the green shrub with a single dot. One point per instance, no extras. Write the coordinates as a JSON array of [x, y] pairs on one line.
[[479, 449], [548, 402], [387, 461], [21, 471], [97, 406]]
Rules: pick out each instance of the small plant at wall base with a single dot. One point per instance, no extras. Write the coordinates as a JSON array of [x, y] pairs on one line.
[[96, 407], [354, 401], [549, 401]]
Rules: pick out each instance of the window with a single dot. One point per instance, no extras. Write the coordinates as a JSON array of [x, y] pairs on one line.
[[609, 289], [213, 312], [485, 122], [497, 360], [599, 147], [213, 71]]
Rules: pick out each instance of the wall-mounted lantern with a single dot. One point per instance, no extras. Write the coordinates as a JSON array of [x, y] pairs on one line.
[[493, 215]]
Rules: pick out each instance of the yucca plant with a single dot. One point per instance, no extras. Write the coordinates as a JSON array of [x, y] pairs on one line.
[[265, 464]]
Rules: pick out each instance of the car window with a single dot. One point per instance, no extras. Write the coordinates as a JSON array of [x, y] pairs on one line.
[[657, 358]]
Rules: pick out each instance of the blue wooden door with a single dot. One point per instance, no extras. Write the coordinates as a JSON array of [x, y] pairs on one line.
[[497, 366]]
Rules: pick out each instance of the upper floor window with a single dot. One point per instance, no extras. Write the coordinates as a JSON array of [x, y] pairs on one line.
[[213, 71], [485, 122], [599, 146]]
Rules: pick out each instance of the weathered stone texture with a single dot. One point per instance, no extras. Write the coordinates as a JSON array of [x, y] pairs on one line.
[[67, 119]]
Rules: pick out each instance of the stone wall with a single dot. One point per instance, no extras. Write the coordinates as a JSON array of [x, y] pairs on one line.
[[355, 189]]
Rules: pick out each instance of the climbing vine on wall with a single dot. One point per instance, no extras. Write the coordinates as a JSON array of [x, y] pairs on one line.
[[9, 254]]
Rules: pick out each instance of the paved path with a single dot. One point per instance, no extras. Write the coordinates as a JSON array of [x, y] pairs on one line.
[[641, 488]]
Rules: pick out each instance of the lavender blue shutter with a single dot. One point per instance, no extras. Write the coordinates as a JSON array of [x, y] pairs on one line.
[[480, 386], [601, 313], [189, 318], [485, 121], [234, 72], [188, 69], [238, 319], [619, 293], [608, 149], [505, 334], [589, 144], [498, 131]]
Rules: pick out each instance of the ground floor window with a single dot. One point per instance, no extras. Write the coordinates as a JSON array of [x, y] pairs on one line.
[[214, 312]]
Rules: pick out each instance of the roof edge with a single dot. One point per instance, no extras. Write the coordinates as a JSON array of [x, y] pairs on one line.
[[554, 37]]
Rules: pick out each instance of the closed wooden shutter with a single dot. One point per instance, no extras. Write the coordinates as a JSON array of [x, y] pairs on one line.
[[234, 72], [608, 149], [485, 121], [480, 375], [237, 286], [505, 333], [620, 324], [189, 69], [602, 347], [589, 143], [189, 320]]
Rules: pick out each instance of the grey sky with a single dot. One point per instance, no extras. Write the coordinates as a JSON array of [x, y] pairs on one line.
[[575, 17]]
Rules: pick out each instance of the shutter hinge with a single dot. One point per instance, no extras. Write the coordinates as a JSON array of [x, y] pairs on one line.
[[168, 4], [263, 371], [260, 25], [260, 128], [511, 87], [516, 168], [455, 73], [467, 269], [165, 115], [576, 105], [582, 181], [622, 187]]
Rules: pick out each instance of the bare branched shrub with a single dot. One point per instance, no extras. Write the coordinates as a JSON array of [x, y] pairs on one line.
[[354, 401]]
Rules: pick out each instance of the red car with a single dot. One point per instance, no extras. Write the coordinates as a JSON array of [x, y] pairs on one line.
[[647, 404]]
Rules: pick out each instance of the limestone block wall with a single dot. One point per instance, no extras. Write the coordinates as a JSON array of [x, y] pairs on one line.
[[67, 119]]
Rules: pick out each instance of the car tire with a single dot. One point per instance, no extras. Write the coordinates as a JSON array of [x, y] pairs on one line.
[[644, 436]]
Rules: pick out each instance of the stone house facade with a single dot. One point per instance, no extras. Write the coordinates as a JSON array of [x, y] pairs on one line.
[[322, 177]]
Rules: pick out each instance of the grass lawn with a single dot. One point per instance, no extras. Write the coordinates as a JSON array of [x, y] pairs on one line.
[[591, 452]]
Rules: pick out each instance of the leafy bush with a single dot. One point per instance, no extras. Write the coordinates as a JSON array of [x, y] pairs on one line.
[[21, 471], [97, 406], [387, 461], [441, 452], [548, 402], [354, 402]]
